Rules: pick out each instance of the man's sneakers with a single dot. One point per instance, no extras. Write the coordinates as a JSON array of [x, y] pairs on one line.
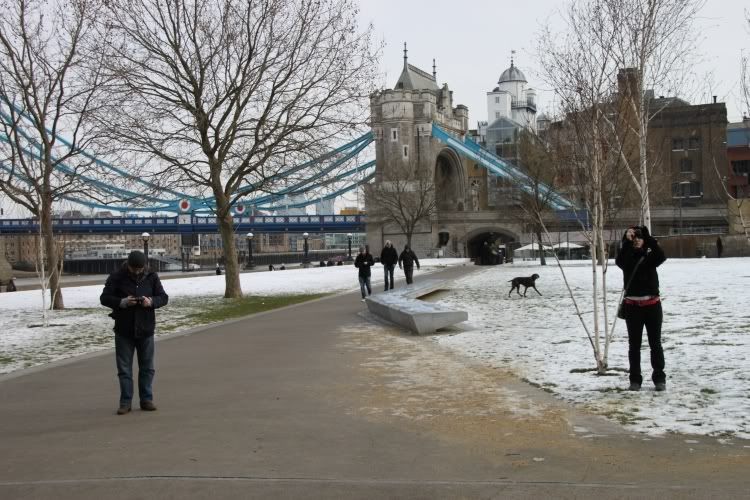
[[634, 387], [148, 406], [123, 409]]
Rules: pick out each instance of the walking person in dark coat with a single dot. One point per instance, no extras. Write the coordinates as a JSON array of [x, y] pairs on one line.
[[133, 293], [364, 262], [639, 257], [406, 261], [389, 258], [719, 246]]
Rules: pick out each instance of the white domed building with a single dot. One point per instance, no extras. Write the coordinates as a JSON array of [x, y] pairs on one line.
[[512, 99]]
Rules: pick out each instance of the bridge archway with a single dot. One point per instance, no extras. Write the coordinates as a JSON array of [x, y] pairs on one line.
[[450, 181], [476, 240]]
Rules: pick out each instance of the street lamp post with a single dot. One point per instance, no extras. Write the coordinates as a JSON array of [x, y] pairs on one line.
[[250, 263], [145, 237], [681, 196], [305, 260], [349, 237]]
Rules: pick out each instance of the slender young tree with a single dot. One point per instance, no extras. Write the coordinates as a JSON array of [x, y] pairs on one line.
[[49, 86], [222, 97], [651, 43], [588, 154]]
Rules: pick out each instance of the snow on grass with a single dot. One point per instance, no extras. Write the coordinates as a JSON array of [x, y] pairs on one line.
[[85, 327], [706, 339]]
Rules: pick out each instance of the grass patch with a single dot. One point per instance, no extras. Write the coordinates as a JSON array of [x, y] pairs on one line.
[[237, 308]]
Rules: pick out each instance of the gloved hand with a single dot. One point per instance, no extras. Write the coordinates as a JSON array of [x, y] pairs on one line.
[[648, 240]]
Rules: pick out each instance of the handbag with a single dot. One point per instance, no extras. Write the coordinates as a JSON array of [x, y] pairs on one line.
[[621, 306]]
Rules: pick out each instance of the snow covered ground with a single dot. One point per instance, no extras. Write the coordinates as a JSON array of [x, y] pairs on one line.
[[85, 327], [706, 338], [706, 334]]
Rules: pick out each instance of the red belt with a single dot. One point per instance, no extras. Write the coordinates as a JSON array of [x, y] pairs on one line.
[[642, 303]]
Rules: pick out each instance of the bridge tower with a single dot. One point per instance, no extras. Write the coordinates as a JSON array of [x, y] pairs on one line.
[[401, 121]]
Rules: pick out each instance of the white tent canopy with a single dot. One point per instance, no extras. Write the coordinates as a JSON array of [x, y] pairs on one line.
[[533, 247], [567, 245]]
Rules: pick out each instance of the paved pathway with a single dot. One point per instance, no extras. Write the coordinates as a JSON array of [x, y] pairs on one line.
[[317, 401]]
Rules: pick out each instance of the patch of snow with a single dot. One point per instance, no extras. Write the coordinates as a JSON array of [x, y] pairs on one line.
[[705, 335]]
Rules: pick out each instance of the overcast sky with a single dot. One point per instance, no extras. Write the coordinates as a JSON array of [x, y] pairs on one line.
[[472, 42]]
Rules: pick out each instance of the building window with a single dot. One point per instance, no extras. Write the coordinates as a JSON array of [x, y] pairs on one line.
[[694, 143], [687, 190], [741, 167], [497, 99], [394, 135], [686, 165], [406, 152], [677, 144], [497, 115]]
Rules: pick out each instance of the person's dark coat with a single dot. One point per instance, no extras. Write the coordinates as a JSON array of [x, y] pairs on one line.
[[133, 321], [389, 256], [364, 262], [646, 279], [408, 258]]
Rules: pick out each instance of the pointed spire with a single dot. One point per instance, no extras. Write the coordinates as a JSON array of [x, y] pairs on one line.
[[512, 54], [434, 70], [405, 57]]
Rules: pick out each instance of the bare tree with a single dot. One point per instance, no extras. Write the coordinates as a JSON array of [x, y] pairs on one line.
[[538, 161], [650, 41], [48, 88], [223, 97], [589, 155], [404, 202]]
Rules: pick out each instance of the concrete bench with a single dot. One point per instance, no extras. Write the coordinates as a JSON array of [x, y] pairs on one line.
[[402, 307]]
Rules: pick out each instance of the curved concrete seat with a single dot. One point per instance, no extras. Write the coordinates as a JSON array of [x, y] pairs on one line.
[[404, 308]]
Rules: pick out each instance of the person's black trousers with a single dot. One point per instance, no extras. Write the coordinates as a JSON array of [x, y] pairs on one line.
[[409, 273], [388, 272], [636, 318]]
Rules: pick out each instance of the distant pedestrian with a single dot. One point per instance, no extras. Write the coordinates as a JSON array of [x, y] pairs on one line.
[[389, 259], [719, 246], [364, 262], [11, 287], [133, 293], [270, 267], [639, 257], [283, 267], [406, 261], [218, 270]]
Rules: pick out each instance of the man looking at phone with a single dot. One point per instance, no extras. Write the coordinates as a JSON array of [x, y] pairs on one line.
[[133, 292]]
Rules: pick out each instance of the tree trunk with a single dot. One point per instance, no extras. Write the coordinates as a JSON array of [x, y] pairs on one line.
[[51, 257], [232, 290], [542, 259], [643, 151]]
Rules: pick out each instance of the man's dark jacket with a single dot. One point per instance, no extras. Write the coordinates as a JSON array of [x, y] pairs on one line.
[[408, 258], [364, 262], [133, 321], [646, 280], [389, 256]]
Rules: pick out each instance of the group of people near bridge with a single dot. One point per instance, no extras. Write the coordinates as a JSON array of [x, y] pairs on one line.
[[389, 257]]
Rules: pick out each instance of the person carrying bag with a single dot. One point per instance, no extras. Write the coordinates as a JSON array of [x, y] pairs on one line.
[[639, 257]]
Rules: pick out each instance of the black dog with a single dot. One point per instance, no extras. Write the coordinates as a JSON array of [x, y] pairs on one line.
[[527, 282]]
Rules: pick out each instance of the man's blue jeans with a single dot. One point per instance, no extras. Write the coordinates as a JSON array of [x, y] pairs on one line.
[[125, 347], [364, 282]]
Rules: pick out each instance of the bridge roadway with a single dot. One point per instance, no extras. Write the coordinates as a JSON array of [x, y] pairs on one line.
[[186, 224], [316, 401]]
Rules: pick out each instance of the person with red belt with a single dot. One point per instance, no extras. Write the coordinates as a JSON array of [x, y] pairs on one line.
[[639, 257]]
